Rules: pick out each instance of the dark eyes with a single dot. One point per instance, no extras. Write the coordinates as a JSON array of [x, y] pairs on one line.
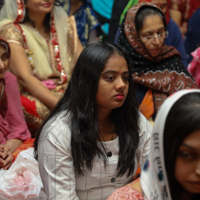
[[4, 57], [188, 156], [112, 78], [126, 78]]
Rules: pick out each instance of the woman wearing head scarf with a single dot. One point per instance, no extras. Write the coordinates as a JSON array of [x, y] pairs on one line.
[[13, 129], [174, 38], [157, 68], [172, 171], [44, 46]]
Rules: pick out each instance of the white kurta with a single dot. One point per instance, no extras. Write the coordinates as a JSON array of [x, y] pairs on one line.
[[56, 164]]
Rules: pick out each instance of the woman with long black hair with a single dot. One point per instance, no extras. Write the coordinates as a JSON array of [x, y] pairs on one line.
[[93, 140]]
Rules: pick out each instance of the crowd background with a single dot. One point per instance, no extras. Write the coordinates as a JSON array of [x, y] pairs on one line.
[[43, 54], [100, 20]]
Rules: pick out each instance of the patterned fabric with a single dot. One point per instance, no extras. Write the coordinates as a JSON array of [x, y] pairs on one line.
[[56, 163], [34, 110], [29, 143], [51, 59], [186, 7], [153, 177], [126, 193], [164, 74], [194, 66], [134, 2], [86, 20], [134, 39]]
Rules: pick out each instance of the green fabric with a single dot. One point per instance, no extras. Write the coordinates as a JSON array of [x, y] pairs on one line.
[[129, 5]]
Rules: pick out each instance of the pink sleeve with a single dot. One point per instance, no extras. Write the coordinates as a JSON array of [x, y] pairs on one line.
[[4, 130], [194, 66], [14, 115]]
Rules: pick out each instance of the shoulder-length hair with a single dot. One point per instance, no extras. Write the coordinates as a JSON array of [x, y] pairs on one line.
[[80, 101], [47, 18], [183, 119]]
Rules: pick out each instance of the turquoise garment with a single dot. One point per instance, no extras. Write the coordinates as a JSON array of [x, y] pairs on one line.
[[103, 7], [86, 20]]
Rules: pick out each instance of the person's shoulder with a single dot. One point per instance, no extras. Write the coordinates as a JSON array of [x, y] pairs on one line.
[[57, 126], [60, 120], [12, 33], [172, 25]]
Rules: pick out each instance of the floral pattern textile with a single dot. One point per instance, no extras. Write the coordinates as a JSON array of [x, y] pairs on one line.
[[126, 193]]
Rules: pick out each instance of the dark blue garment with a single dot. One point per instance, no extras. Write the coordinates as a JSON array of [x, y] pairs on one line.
[[174, 39], [192, 37], [86, 20]]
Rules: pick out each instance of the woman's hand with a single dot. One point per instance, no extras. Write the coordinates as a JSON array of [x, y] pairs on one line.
[[6, 151], [6, 157]]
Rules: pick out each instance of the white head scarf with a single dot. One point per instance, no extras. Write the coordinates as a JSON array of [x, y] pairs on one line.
[[153, 179]]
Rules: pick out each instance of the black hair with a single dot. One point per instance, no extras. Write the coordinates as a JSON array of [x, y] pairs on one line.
[[80, 101], [47, 18], [183, 119], [146, 11]]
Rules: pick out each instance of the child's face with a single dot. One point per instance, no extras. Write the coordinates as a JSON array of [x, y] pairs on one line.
[[4, 60], [187, 167]]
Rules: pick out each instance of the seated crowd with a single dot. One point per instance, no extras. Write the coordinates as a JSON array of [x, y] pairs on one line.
[[87, 107]]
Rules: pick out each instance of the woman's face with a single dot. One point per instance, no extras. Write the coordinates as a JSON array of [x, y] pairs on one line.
[[39, 6], [4, 60], [113, 84], [187, 167], [152, 34]]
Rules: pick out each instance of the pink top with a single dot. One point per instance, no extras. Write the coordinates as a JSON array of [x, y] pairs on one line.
[[13, 125], [194, 66]]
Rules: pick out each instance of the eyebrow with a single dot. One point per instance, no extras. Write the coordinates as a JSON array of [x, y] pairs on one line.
[[185, 145], [153, 31], [111, 71]]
